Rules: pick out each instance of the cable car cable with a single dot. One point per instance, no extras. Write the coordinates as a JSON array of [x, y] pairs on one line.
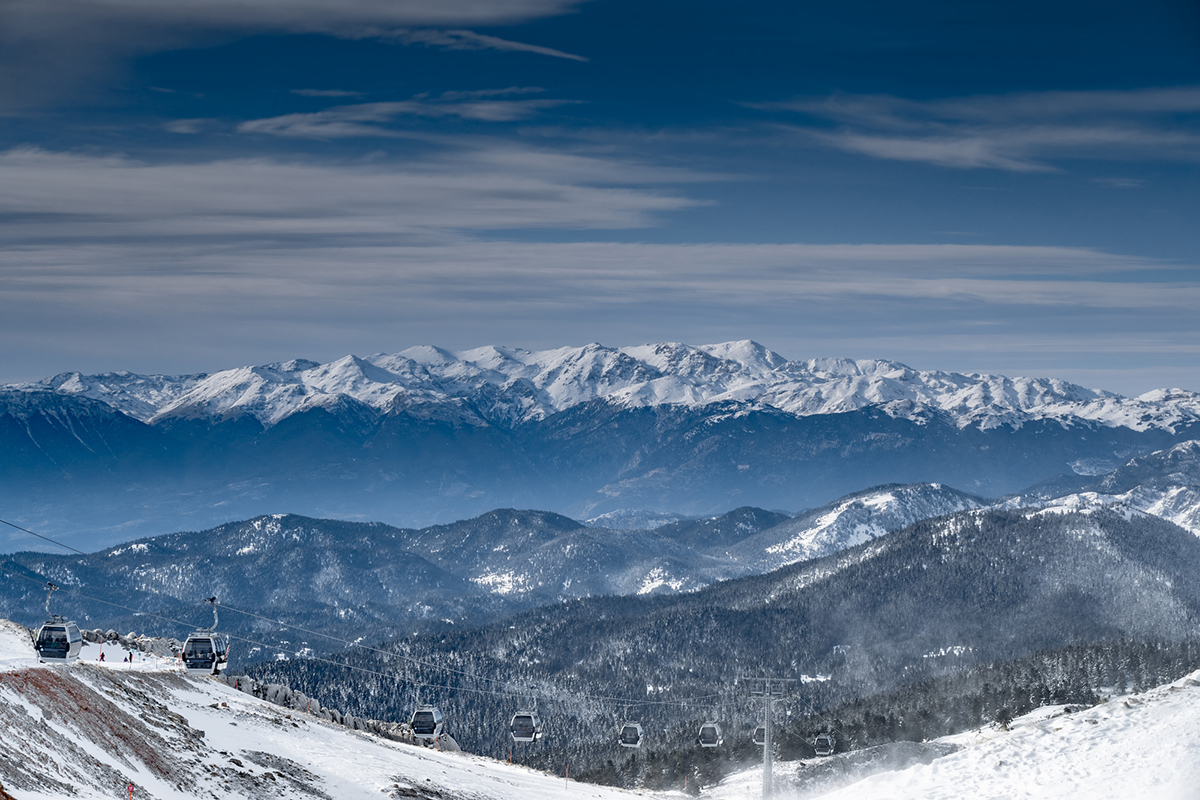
[[351, 643], [47, 538]]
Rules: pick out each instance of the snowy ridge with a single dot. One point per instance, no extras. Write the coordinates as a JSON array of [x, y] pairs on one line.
[[509, 386], [632, 519], [1164, 484], [850, 521]]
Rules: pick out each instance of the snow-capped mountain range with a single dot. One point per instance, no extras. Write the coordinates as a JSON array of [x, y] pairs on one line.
[[509, 386], [428, 436]]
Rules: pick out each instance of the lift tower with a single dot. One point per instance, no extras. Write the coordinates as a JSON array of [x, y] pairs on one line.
[[769, 689]]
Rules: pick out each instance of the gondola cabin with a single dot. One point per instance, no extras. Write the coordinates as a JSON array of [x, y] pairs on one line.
[[630, 735], [58, 641], [205, 652], [526, 726], [426, 724], [710, 735], [824, 745], [760, 736]]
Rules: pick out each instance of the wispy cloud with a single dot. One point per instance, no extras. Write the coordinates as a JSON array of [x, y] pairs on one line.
[[1020, 133], [289, 292], [188, 126], [1120, 183], [51, 49], [495, 186], [470, 40], [371, 119]]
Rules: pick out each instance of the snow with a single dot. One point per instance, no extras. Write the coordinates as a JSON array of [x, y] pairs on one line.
[[16, 648], [175, 736], [858, 518], [658, 578], [535, 384], [1140, 746], [85, 729], [503, 582], [1178, 504]]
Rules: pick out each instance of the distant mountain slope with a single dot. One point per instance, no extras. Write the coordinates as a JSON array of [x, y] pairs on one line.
[[48, 435], [334, 576], [711, 534], [426, 436], [850, 521], [339, 577], [1165, 483]]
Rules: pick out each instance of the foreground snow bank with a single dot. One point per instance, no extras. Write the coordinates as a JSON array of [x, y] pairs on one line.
[[1141, 746]]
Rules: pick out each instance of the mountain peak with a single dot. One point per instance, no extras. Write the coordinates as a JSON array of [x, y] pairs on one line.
[[509, 386]]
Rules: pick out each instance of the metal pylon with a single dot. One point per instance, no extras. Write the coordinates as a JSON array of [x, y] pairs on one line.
[[768, 689]]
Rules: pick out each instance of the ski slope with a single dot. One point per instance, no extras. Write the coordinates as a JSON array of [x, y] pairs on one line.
[[89, 729], [1138, 747]]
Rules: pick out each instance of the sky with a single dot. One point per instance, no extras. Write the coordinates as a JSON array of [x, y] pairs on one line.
[[196, 185]]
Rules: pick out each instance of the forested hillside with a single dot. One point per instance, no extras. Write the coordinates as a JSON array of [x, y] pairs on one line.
[[939, 596]]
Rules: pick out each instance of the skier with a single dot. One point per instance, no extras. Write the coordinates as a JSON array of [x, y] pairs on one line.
[[101, 655]]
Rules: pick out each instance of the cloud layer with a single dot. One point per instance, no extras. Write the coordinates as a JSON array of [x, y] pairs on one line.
[[371, 119], [72, 197], [184, 263], [1019, 133]]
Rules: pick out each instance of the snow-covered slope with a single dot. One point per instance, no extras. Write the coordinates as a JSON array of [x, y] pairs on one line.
[[850, 521], [1141, 746], [1165, 483], [88, 730], [632, 519], [511, 385]]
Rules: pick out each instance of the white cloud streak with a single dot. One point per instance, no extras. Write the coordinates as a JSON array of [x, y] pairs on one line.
[[370, 119], [73, 196], [469, 40], [48, 49], [1018, 133]]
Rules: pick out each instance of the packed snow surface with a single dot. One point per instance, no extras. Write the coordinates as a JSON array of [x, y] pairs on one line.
[[1140, 747], [511, 385]]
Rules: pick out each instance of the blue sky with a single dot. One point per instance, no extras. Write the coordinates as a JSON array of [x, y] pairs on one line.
[[1000, 187]]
